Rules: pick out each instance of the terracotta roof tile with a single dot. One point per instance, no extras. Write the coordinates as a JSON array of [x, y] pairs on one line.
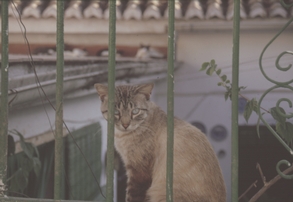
[[230, 10], [194, 10], [118, 11], [33, 9], [214, 9], [50, 10], [154, 9], [94, 10], [178, 10], [257, 9], [277, 10], [133, 10], [74, 10]]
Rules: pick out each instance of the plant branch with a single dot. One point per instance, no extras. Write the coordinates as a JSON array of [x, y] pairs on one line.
[[249, 100], [249, 188], [261, 174], [267, 185]]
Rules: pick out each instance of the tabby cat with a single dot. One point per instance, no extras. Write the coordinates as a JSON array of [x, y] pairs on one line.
[[140, 139]]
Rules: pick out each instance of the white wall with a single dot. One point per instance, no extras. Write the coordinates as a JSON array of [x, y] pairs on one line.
[[78, 112]]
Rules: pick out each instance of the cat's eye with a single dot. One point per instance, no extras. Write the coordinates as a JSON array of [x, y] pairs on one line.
[[116, 112], [135, 111]]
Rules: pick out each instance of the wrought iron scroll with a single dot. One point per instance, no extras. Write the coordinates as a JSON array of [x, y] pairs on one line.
[[278, 84]]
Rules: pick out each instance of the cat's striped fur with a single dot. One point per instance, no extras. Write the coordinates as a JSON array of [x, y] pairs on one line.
[[140, 139]]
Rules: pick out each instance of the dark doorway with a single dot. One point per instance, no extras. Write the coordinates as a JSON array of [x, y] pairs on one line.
[[267, 151]]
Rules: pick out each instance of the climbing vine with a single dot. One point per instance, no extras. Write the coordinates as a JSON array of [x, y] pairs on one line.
[[283, 127]]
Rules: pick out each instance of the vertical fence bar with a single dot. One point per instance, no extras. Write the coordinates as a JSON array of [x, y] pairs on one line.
[[235, 86], [170, 101], [111, 101], [4, 96], [59, 103]]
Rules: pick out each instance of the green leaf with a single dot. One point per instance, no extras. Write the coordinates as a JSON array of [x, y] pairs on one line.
[[13, 184], [241, 88], [248, 110], [19, 181], [204, 66], [285, 130], [221, 84], [213, 62], [254, 105], [257, 125], [15, 132], [218, 72], [37, 166], [228, 81], [36, 151], [277, 116], [211, 70], [25, 163], [22, 180], [224, 78], [28, 149]]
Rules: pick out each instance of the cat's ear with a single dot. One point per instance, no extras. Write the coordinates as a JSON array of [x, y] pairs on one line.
[[145, 89], [102, 90]]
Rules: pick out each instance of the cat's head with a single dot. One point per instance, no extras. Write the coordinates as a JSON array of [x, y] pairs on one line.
[[131, 105]]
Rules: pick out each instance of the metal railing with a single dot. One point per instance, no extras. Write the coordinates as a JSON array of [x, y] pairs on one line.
[[111, 101], [59, 149], [111, 87], [235, 86], [4, 96], [278, 84]]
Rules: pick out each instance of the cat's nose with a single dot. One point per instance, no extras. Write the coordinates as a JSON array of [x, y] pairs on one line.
[[125, 125]]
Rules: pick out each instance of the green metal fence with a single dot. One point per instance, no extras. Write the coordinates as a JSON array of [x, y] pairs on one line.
[[59, 103], [111, 85], [4, 96], [111, 97], [235, 86]]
